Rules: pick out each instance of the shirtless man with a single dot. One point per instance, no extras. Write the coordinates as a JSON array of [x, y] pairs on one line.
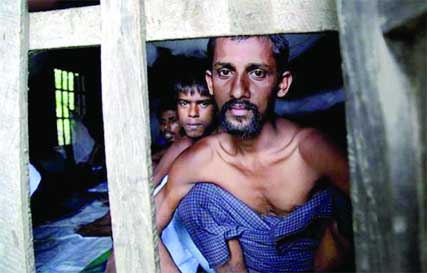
[[262, 171]]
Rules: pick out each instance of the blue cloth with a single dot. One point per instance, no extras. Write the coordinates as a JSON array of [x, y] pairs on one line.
[[175, 241], [179, 244], [269, 243]]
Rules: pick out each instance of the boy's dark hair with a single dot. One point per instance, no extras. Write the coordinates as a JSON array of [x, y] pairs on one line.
[[165, 105], [190, 82], [280, 49], [191, 77]]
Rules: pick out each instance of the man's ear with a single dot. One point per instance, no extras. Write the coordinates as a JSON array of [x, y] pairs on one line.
[[208, 78], [284, 84]]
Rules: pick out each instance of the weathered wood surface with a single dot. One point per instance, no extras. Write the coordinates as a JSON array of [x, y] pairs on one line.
[[394, 13], [127, 135], [187, 19], [386, 137], [16, 248], [192, 18], [65, 28], [408, 43]]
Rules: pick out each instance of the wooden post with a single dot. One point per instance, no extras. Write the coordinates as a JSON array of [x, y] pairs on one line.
[[16, 248], [385, 79], [127, 135]]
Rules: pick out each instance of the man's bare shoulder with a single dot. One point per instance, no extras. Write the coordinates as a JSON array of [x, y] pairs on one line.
[[286, 126], [310, 142], [325, 156], [200, 151], [311, 139], [298, 133], [191, 164], [288, 133]]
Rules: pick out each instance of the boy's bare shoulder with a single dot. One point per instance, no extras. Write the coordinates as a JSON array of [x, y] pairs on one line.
[[180, 145], [168, 158]]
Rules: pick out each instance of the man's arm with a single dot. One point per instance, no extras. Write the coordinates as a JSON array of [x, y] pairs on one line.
[[167, 265], [333, 250], [188, 169], [182, 176], [326, 158], [236, 263], [166, 202]]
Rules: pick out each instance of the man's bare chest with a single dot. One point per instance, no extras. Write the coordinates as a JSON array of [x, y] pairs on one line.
[[275, 188]]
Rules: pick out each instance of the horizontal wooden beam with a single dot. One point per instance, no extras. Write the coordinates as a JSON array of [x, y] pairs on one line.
[[193, 18], [74, 27], [78, 27]]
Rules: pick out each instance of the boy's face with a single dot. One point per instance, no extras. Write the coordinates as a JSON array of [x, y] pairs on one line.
[[195, 113], [169, 125]]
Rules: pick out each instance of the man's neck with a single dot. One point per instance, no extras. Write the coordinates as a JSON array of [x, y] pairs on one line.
[[257, 143]]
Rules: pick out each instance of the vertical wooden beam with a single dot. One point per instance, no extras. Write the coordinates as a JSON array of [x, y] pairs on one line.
[[127, 135], [385, 147], [16, 248], [393, 13], [408, 44]]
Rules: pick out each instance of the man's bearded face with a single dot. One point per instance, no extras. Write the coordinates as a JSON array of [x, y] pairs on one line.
[[241, 118]]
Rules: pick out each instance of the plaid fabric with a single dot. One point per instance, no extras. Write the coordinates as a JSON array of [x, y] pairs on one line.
[[269, 243]]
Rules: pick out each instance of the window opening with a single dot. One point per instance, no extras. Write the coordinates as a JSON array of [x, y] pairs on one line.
[[69, 102]]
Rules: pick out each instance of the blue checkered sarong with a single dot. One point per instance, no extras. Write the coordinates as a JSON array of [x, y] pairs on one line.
[[269, 243]]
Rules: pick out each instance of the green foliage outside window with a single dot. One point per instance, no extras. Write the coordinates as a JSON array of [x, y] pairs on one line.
[[65, 103]]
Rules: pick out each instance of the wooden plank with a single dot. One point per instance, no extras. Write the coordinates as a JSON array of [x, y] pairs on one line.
[[394, 13], [187, 19], [384, 129], [192, 18], [16, 248], [65, 28], [127, 135]]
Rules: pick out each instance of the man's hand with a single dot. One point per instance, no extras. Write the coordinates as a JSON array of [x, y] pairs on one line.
[[236, 264], [333, 250]]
